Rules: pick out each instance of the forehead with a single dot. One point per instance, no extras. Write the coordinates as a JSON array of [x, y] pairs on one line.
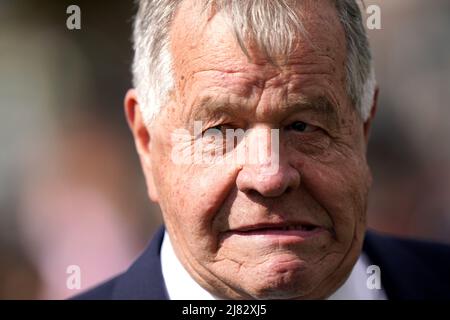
[[202, 40]]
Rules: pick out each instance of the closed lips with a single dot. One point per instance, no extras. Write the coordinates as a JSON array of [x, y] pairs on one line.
[[275, 227]]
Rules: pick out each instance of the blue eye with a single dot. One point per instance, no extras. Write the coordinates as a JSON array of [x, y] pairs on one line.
[[224, 127], [219, 127]]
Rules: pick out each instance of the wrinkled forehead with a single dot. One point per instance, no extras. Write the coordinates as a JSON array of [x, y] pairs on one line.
[[209, 36]]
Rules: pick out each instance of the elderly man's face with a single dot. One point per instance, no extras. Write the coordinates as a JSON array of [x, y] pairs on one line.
[[241, 231]]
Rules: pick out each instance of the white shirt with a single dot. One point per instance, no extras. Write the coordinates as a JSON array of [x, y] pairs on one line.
[[181, 286]]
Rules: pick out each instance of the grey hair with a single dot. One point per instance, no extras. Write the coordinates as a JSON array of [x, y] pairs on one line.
[[272, 24]]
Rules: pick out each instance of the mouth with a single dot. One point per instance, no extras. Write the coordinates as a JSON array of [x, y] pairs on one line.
[[303, 230]]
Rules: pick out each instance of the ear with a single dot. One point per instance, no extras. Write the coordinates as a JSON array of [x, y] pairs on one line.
[[373, 111], [142, 139]]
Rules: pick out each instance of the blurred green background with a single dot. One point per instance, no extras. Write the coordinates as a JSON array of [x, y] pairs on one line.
[[71, 189]]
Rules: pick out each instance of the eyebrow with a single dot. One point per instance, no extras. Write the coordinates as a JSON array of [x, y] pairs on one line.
[[319, 105], [212, 106]]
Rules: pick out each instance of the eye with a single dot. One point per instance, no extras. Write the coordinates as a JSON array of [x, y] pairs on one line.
[[212, 131], [222, 128], [301, 126]]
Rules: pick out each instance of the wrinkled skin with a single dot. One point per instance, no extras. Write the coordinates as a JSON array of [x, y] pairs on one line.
[[323, 177]]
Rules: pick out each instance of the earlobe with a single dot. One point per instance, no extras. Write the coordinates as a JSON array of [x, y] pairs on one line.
[[135, 122], [130, 103], [373, 111], [142, 139]]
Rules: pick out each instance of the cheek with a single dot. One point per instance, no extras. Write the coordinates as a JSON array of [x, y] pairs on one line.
[[340, 186], [192, 196], [314, 145]]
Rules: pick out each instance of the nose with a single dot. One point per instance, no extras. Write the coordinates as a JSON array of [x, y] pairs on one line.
[[272, 184], [265, 178]]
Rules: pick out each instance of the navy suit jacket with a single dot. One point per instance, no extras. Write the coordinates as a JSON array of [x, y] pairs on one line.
[[410, 269]]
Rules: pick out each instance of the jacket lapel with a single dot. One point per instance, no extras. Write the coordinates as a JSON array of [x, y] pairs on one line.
[[144, 279]]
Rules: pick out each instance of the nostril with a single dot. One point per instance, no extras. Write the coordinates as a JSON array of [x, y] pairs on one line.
[[252, 193], [253, 181]]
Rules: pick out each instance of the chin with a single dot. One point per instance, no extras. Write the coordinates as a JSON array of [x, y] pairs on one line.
[[285, 280], [295, 289]]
